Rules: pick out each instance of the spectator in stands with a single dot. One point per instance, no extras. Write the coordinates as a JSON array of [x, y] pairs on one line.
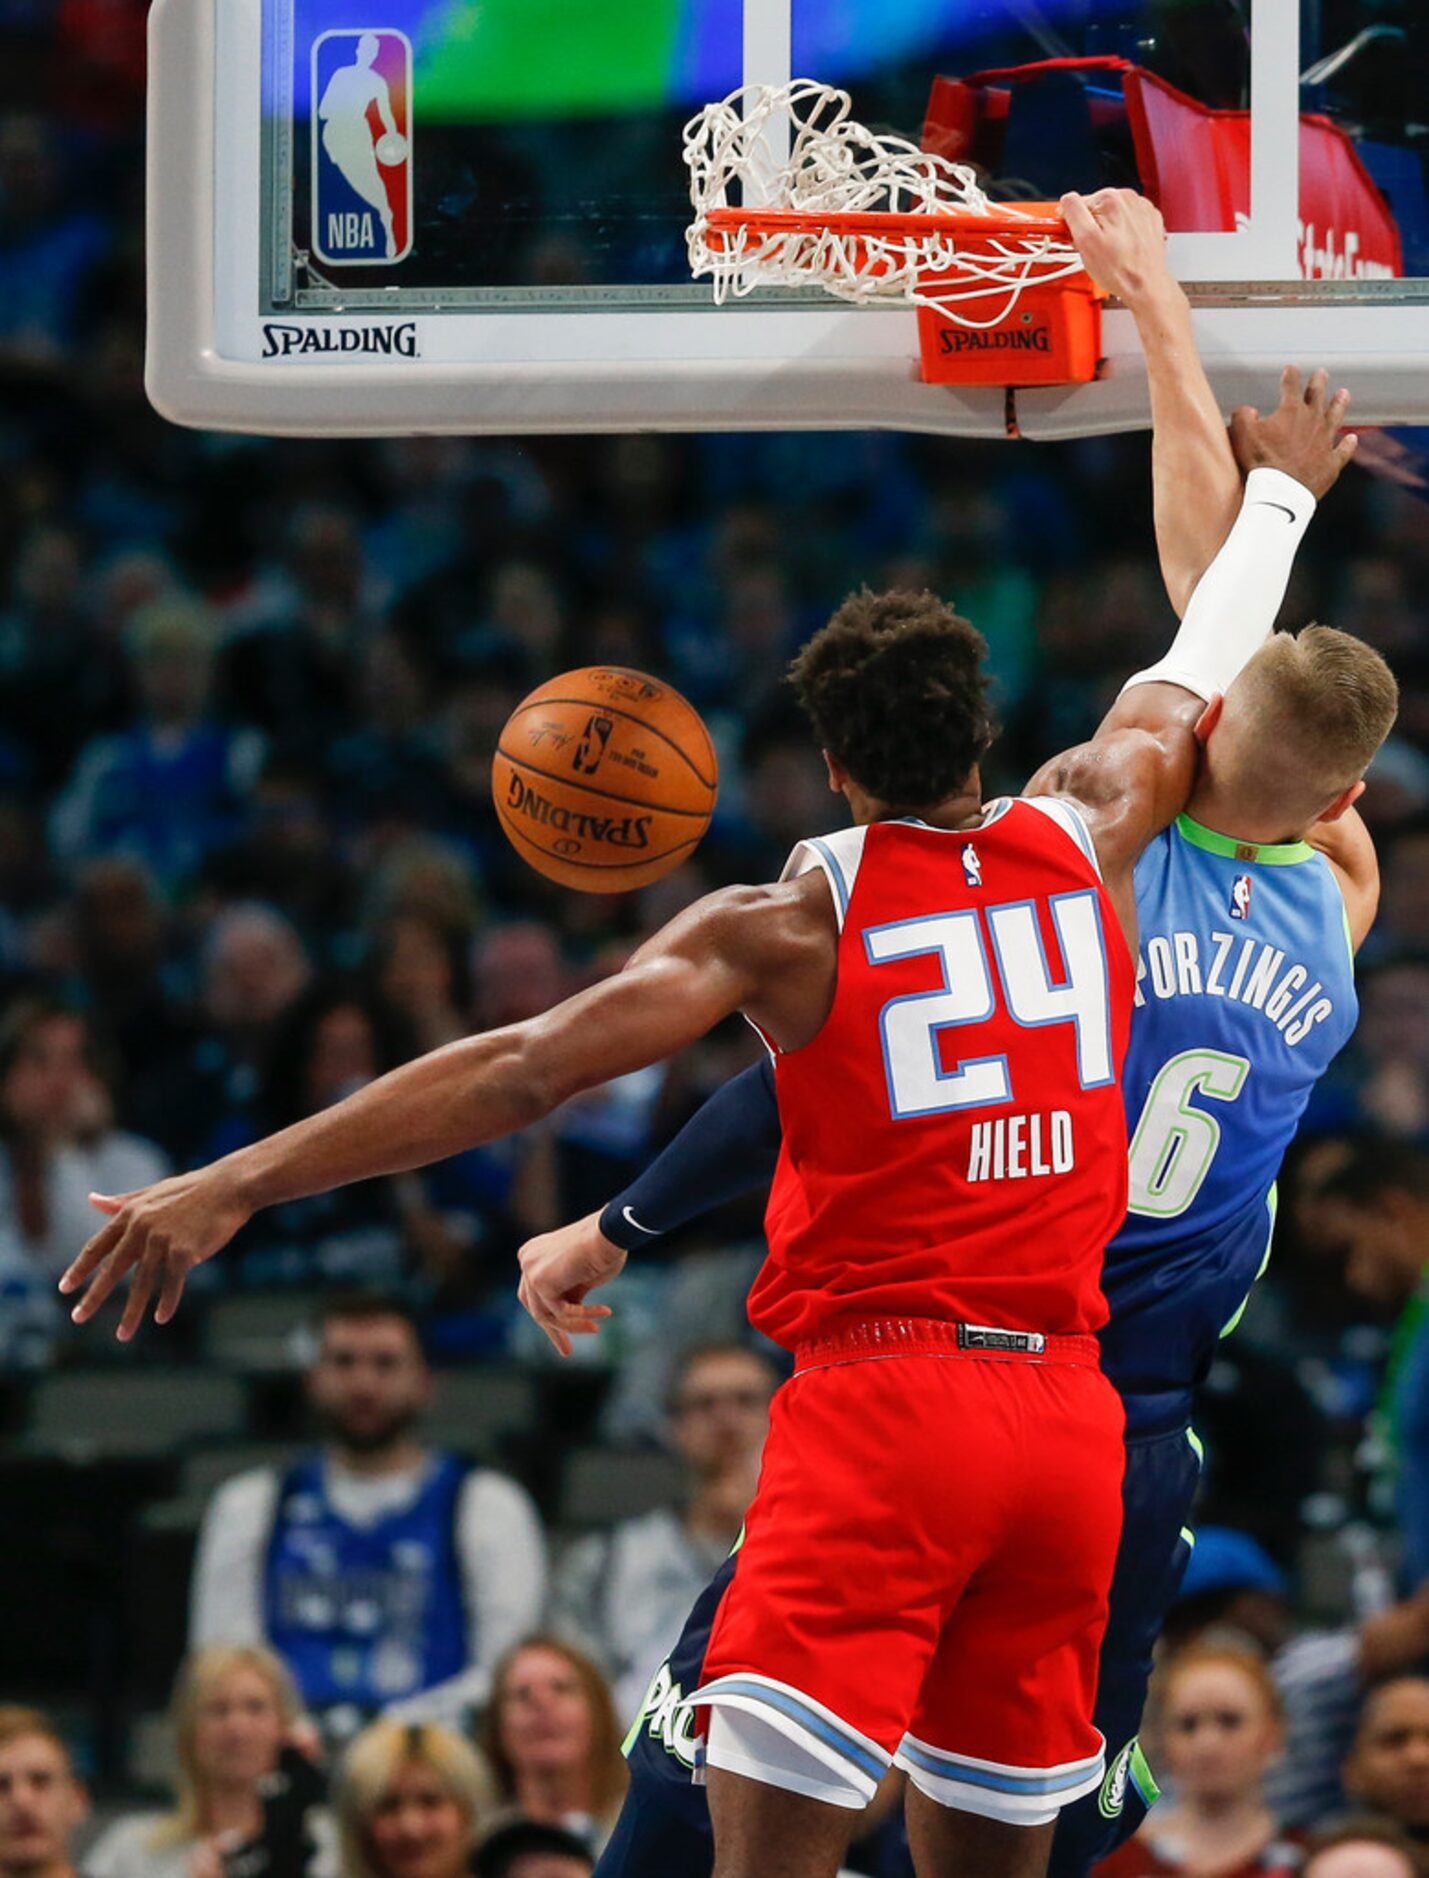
[[410, 1800], [383, 1572], [623, 1595], [421, 970], [48, 250], [335, 1037], [42, 1805], [174, 785], [552, 1739], [525, 1849], [1389, 1057], [1234, 1590], [252, 966], [1372, 1207], [1363, 1847], [1218, 1728], [1388, 1766], [58, 1144], [243, 1790], [287, 667]]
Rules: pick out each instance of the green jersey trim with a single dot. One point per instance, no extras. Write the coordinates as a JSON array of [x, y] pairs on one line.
[[1254, 853]]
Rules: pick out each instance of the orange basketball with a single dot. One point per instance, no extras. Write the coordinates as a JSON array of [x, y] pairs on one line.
[[604, 779]]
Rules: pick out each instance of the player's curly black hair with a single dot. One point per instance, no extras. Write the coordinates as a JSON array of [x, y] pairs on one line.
[[895, 688]]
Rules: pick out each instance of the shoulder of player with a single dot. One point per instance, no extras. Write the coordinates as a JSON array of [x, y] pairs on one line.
[[1128, 784], [1113, 767], [768, 920]]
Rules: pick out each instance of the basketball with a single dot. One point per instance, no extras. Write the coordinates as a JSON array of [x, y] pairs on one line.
[[604, 779], [391, 149]]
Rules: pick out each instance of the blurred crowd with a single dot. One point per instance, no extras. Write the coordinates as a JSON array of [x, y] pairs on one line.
[[249, 695]]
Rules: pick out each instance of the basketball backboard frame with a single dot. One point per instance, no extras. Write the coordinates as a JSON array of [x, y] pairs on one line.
[[550, 360]]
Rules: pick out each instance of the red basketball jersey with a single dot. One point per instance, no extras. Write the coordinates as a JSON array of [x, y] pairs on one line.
[[954, 1136]]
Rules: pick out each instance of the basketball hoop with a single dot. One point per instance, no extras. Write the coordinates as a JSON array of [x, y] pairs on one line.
[[1001, 293]]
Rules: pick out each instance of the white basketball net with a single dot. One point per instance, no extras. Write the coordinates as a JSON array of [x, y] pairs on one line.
[[835, 166]]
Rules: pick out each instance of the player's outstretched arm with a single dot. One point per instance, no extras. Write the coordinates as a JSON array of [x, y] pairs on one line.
[[1195, 481], [1296, 455], [717, 957]]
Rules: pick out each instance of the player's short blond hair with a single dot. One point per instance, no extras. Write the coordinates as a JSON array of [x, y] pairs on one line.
[[1324, 702]]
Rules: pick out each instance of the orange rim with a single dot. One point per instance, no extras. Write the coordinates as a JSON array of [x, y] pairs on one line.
[[973, 223]]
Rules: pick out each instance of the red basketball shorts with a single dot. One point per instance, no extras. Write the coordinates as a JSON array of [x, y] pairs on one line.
[[924, 1575]]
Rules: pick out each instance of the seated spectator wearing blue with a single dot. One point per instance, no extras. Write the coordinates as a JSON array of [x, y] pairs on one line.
[[552, 1740], [382, 1571], [243, 1791], [1234, 1591], [1371, 1207], [58, 1144], [527, 1850], [623, 1595], [42, 1805], [410, 1801], [175, 785], [1387, 1770]]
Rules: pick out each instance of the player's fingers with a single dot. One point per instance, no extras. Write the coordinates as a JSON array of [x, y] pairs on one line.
[[174, 1276], [1077, 214], [141, 1289], [541, 1311], [572, 1314], [104, 1274], [1339, 406], [1291, 389], [1346, 447], [1316, 389], [92, 1255], [112, 1202]]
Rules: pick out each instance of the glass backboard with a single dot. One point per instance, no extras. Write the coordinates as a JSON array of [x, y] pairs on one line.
[[469, 215]]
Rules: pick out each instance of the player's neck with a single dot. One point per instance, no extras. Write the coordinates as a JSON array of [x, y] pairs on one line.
[[959, 811], [1216, 810]]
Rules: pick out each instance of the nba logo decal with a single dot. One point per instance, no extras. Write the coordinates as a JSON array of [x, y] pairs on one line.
[[972, 866], [362, 148], [1240, 897]]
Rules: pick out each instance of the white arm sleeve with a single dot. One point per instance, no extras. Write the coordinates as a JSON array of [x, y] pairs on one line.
[[226, 1599], [503, 1563], [1232, 612]]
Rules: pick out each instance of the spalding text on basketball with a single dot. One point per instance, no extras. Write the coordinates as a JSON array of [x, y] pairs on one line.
[[618, 831]]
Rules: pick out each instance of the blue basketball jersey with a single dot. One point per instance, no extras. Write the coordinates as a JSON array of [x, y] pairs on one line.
[[1245, 991], [364, 1615]]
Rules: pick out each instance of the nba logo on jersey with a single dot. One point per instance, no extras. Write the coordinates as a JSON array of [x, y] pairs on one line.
[[972, 866], [362, 148], [1240, 897]]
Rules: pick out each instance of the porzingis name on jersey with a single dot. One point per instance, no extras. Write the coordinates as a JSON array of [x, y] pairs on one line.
[[1227, 965]]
